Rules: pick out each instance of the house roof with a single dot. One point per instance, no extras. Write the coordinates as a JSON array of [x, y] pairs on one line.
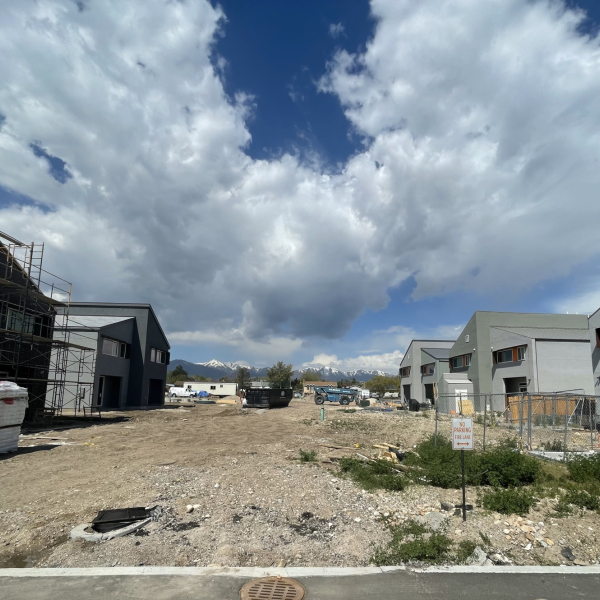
[[438, 353], [319, 383], [89, 321], [549, 333]]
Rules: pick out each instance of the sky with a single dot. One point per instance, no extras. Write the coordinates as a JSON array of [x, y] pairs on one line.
[[317, 182]]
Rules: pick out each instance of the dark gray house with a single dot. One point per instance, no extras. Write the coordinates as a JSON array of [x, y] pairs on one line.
[[132, 354]]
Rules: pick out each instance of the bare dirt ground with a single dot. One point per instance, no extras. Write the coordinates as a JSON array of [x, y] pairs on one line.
[[258, 504]]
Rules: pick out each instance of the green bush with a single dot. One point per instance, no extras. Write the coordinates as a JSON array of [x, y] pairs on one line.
[[465, 550], [582, 468], [307, 455], [579, 498], [433, 549], [377, 474], [440, 466], [509, 501], [553, 446]]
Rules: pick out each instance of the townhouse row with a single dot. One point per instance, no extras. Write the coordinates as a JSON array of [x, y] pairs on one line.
[[499, 353]]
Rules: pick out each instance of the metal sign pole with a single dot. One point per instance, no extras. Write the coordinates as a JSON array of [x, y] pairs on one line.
[[464, 495]]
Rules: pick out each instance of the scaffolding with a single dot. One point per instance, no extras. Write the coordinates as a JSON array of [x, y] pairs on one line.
[[36, 350]]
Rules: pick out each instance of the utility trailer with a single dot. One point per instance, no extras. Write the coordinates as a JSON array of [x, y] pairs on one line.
[[268, 398], [334, 394]]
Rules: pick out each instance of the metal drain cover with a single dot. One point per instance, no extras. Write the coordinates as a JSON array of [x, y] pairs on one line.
[[272, 588]]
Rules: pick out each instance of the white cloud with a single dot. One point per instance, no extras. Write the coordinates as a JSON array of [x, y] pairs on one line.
[[582, 302], [387, 361], [478, 171], [335, 30]]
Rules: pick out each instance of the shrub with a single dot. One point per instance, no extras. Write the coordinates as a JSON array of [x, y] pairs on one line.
[[465, 550], [583, 468], [509, 501], [553, 446], [377, 474], [579, 498], [307, 456], [440, 466], [434, 548]]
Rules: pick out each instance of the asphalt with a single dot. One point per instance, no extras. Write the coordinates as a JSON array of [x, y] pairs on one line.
[[513, 584]]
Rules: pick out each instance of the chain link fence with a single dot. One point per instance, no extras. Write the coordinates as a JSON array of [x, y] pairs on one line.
[[543, 422]]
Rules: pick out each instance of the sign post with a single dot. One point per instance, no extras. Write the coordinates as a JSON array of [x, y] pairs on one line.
[[462, 439]]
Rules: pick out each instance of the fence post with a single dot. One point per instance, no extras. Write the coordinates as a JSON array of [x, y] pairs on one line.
[[529, 418], [521, 419], [436, 423], [566, 426], [484, 419], [589, 401]]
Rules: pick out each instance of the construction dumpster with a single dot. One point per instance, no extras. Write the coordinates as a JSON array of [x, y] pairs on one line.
[[13, 404], [268, 398]]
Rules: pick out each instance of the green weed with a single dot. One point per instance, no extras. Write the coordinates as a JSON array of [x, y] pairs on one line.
[[465, 550], [378, 474], [412, 541], [306, 456], [583, 468], [578, 498], [510, 501]]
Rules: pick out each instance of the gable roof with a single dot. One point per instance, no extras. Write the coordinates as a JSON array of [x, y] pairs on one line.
[[549, 333], [438, 353]]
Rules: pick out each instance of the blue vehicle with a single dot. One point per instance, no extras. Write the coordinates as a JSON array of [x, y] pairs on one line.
[[334, 394]]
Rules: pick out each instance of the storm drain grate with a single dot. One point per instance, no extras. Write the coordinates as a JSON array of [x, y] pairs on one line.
[[272, 588]]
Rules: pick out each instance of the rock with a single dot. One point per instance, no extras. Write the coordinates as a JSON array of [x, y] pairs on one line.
[[447, 506], [581, 563], [488, 563], [499, 559], [479, 557], [528, 547], [189, 508], [357, 520], [506, 531], [434, 520], [568, 553], [282, 563]]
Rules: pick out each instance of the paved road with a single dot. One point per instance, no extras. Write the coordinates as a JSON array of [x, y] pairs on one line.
[[400, 585]]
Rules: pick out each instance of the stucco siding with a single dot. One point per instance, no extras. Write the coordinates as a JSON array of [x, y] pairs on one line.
[[564, 366]]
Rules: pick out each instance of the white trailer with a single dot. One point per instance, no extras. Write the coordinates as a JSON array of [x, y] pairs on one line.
[[214, 388]]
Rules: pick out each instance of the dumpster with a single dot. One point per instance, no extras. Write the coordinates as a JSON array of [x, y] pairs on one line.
[[13, 404], [268, 398]]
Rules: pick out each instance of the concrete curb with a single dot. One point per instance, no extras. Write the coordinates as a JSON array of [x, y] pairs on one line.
[[295, 572]]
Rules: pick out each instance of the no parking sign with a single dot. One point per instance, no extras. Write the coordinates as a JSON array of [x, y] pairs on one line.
[[462, 434]]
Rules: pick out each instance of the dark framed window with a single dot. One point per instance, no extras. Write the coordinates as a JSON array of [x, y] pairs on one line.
[[428, 369], [405, 372]]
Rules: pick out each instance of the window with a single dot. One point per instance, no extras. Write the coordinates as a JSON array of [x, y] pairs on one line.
[[405, 372], [158, 356], [213, 387], [521, 352], [221, 385], [458, 362], [503, 356], [16, 321], [428, 369], [597, 338], [115, 348]]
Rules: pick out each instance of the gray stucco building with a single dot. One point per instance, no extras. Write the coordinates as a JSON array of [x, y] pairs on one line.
[[132, 354], [422, 366], [504, 353]]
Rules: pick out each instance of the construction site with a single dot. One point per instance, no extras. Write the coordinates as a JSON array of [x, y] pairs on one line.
[[235, 486]]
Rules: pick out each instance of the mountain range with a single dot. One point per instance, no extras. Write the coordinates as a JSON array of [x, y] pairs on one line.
[[215, 369]]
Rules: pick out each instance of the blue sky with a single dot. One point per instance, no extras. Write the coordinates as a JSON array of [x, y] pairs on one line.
[[316, 182]]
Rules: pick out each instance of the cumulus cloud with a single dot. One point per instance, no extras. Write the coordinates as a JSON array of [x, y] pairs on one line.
[[387, 362], [478, 169]]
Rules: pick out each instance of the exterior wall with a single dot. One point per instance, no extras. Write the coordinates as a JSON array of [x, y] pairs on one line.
[[449, 384], [523, 368], [154, 338], [309, 386], [114, 366], [441, 367], [221, 389], [564, 366], [414, 358], [594, 323], [487, 379], [87, 339]]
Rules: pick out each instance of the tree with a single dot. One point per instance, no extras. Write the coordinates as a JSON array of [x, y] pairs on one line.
[[296, 384], [382, 384], [242, 378], [346, 383], [177, 374], [311, 375], [280, 375]]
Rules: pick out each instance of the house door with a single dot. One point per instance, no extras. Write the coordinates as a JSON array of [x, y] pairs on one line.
[[100, 391], [406, 388]]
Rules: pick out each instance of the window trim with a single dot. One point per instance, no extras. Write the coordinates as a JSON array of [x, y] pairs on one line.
[[158, 356], [424, 369], [402, 372], [465, 361]]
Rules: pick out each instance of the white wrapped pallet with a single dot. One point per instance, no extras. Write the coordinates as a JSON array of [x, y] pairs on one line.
[[13, 404]]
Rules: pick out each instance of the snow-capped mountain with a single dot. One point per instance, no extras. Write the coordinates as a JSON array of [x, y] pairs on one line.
[[215, 369]]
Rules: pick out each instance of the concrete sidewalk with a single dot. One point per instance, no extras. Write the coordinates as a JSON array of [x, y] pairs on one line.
[[493, 583]]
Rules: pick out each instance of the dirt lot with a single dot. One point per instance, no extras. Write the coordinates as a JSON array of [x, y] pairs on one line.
[[258, 504]]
